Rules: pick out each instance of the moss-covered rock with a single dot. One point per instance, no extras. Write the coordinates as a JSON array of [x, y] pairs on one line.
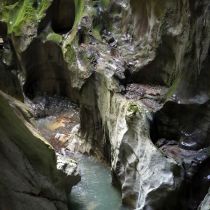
[[57, 38], [17, 14]]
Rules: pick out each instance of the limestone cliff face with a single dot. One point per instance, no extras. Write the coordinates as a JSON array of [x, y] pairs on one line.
[[157, 54], [172, 40], [140, 71]]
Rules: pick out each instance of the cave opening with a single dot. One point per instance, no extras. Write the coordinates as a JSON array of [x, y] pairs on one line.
[[46, 73], [63, 16], [197, 187]]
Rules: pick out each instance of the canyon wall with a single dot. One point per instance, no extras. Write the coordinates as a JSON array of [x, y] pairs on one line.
[[139, 71], [31, 175]]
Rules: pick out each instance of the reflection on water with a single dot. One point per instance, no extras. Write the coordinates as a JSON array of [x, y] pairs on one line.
[[95, 191]]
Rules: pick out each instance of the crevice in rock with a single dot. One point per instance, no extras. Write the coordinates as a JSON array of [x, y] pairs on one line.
[[3, 29], [196, 189], [107, 147], [81, 36], [184, 123], [156, 72], [181, 132]]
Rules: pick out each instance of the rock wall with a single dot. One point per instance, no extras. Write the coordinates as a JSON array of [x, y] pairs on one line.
[[29, 177], [205, 204], [138, 167], [155, 56], [139, 70]]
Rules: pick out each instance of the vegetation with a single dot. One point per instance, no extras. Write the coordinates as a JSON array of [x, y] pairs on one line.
[[105, 3], [70, 54], [133, 108], [54, 37], [23, 12], [79, 10]]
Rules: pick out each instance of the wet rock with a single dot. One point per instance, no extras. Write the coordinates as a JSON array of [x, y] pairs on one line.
[[151, 96], [69, 167], [205, 203], [160, 34], [186, 123], [46, 106], [137, 164], [196, 168], [33, 181], [193, 141], [199, 186], [141, 69]]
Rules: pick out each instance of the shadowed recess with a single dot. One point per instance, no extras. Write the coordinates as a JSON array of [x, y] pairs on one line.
[[63, 16], [46, 72]]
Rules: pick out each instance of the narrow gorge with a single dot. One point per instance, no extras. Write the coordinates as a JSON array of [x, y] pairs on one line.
[[105, 104]]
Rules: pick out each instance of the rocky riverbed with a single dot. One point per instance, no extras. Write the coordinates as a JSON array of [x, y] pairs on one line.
[[57, 119]]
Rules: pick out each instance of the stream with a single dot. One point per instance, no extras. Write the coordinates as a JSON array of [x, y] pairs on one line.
[[56, 120], [95, 191]]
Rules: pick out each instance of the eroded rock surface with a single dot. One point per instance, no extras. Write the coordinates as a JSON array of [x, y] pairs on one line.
[[139, 71]]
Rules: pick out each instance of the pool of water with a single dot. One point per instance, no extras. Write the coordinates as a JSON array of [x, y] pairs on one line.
[[95, 191]]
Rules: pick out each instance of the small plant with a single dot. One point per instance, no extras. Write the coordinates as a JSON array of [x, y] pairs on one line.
[[133, 108]]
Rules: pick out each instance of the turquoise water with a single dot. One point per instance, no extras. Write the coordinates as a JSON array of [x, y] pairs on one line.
[[95, 191]]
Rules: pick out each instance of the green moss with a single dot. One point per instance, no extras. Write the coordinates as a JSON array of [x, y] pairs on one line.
[[96, 33], [54, 37], [68, 50], [79, 7], [70, 54], [43, 6], [173, 88], [105, 3], [133, 108], [22, 12]]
